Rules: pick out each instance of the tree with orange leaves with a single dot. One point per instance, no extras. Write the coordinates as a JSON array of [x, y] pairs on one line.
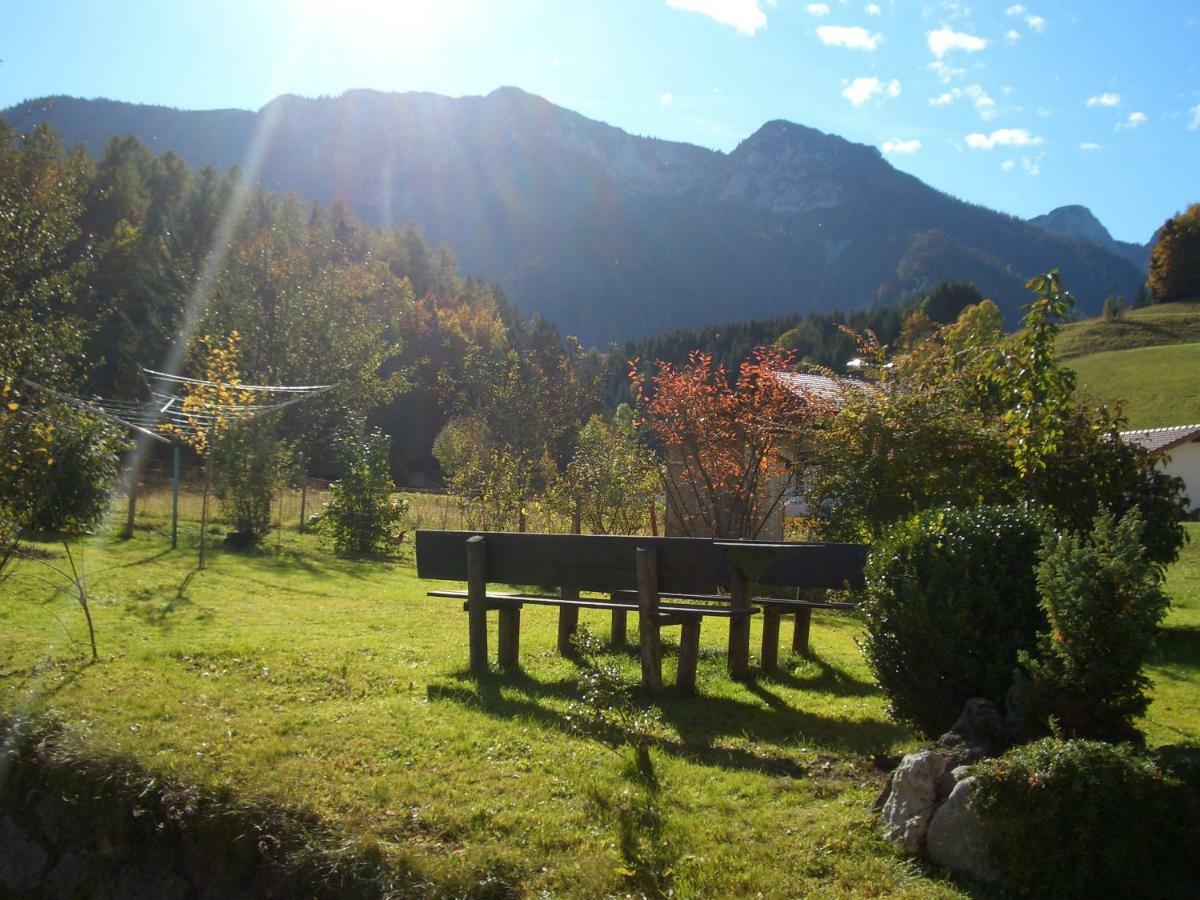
[[730, 448], [211, 407]]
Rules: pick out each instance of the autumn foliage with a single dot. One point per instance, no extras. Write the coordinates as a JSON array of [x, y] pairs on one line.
[[730, 446]]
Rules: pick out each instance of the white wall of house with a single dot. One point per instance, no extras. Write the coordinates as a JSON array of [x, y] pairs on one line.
[[1185, 464]]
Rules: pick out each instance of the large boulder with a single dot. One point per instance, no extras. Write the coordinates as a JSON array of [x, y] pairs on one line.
[[910, 805], [958, 838]]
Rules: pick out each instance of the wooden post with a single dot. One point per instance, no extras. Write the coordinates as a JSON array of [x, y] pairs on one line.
[[770, 639], [568, 622], [204, 509], [174, 496], [303, 502], [689, 653], [577, 517], [647, 581], [801, 629], [620, 622], [510, 638], [477, 603], [739, 627], [127, 533]]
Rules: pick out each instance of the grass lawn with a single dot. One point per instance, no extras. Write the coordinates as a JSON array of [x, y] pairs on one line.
[[1150, 326], [339, 687], [1159, 386]]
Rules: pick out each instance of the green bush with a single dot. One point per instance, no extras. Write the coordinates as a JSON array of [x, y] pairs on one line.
[[951, 600], [1088, 819], [250, 466], [1103, 601], [60, 467], [363, 518]]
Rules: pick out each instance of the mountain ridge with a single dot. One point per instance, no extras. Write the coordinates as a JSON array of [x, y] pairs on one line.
[[612, 235]]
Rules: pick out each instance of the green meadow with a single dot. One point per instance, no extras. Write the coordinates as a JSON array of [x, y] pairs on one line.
[[337, 687]]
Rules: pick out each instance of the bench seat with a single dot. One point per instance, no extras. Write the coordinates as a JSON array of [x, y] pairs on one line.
[[502, 601]]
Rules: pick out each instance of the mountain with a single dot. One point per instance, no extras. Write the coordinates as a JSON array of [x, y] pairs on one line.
[[611, 235], [1080, 222]]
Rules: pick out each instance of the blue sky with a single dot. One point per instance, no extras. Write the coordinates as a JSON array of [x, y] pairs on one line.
[[1020, 107]]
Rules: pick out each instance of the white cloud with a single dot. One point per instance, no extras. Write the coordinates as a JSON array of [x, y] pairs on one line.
[[862, 89], [1012, 35], [1037, 23], [946, 39], [818, 9], [854, 37], [1008, 165], [983, 103], [1002, 137], [1088, 145], [666, 98], [1016, 10], [873, 9], [1195, 123], [945, 72], [899, 146], [1135, 119], [744, 15], [1104, 100], [1031, 166]]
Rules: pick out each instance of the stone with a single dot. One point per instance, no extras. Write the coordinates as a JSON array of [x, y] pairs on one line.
[[910, 805], [68, 877], [958, 839], [23, 862], [978, 725]]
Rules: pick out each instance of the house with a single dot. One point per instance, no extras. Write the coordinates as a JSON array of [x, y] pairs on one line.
[[1179, 447]]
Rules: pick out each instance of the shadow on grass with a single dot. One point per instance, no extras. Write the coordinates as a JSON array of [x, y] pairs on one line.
[[698, 720], [1177, 649], [144, 607]]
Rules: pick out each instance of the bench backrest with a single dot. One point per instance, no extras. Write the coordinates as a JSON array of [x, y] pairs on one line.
[[801, 565], [585, 562]]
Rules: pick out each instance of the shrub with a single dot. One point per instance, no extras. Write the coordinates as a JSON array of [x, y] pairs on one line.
[[61, 464], [251, 467], [1103, 602], [363, 518], [1088, 819], [951, 600]]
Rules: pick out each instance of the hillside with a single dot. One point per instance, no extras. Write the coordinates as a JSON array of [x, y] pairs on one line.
[[1151, 326], [611, 235], [1158, 385]]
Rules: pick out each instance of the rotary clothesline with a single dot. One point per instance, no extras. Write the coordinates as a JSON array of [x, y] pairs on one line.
[[148, 417]]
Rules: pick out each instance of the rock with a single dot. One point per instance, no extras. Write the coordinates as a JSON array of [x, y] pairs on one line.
[[68, 877], [957, 837], [909, 807], [22, 862], [978, 725]]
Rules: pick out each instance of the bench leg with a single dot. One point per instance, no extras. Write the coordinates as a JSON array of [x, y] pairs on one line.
[[800, 632], [510, 638], [620, 623], [689, 653], [568, 624], [477, 603], [770, 640], [647, 579], [739, 629]]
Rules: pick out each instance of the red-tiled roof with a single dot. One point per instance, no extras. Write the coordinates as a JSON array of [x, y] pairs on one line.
[[1160, 440]]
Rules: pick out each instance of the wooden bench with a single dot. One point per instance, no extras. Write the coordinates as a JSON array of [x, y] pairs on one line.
[[808, 567], [634, 572]]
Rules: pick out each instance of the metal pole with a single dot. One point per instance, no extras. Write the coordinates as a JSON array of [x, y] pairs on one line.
[[174, 496]]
